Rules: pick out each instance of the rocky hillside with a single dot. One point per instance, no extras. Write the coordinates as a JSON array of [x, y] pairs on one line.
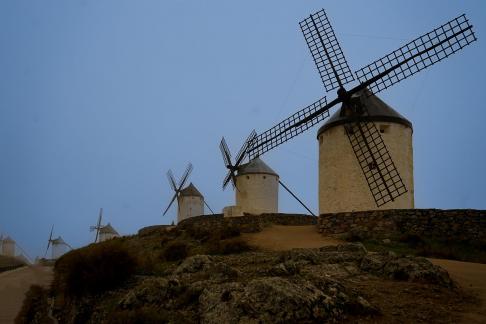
[[191, 275]]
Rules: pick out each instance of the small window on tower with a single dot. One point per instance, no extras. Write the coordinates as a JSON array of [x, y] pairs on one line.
[[264, 177], [248, 177], [384, 129]]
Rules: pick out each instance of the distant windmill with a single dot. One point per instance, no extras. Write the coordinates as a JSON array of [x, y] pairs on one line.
[[58, 246], [255, 182], [98, 226], [103, 232], [359, 111], [190, 202]]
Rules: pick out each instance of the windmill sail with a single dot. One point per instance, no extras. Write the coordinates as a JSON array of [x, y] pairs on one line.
[[242, 153], [417, 55], [290, 127], [326, 51]]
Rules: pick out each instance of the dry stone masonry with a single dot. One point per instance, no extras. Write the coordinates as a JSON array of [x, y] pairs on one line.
[[464, 225]]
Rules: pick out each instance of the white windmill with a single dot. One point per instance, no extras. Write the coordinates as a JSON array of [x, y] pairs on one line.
[[255, 182], [190, 201], [103, 232], [58, 246]]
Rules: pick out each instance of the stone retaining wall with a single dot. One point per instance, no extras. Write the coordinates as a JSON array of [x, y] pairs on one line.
[[466, 225], [248, 223]]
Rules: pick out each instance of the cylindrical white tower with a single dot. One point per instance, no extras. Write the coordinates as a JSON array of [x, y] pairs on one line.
[[107, 232], [8, 247], [257, 188], [342, 185], [191, 203], [59, 247]]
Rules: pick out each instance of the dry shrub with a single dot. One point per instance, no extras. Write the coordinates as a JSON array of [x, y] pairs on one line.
[[94, 269], [143, 315], [202, 234], [228, 246], [175, 251], [35, 307]]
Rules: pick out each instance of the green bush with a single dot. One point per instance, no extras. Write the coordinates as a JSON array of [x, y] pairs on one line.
[[35, 307], [175, 251], [94, 269]]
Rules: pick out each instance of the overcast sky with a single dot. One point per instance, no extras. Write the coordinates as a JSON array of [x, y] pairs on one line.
[[98, 99]]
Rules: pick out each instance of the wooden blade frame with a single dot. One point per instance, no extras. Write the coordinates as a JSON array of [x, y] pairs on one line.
[[326, 51], [242, 153], [290, 127], [374, 159], [417, 55]]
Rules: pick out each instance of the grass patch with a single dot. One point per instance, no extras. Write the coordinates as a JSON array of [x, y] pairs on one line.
[[430, 248]]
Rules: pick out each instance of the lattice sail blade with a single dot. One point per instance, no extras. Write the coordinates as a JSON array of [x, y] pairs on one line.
[[417, 55], [170, 204], [375, 161], [242, 153], [227, 179], [326, 51], [172, 182], [185, 175], [290, 127], [225, 152]]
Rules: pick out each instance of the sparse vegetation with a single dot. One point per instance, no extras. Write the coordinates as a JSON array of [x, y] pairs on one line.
[[411, 244], [35, 307], [143, 315], [228, 246], [175, 251], [94, 269]]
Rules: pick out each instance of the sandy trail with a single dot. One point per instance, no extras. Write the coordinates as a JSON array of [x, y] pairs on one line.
[[283, 237], [471, 277], [13, 286]]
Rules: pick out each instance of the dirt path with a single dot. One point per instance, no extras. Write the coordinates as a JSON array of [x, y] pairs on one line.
[[282, 237], [13, 286], [471, 277]]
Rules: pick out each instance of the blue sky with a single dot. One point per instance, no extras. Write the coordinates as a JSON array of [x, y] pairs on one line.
[[99, 98]]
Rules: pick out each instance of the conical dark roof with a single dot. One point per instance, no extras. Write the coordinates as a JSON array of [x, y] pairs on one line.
[[108, 229], [8, 239], [58, 241], [378, 111], [255, 166], [191, 190]]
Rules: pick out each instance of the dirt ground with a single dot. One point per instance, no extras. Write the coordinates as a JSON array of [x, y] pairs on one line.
[[470, 276], [14, 284], [282, 237]]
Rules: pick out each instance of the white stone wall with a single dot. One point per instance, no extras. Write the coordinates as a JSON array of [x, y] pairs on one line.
[[106, 236], [342, 185], [190, 206], [58, 250], [257, 193], [8, 249]]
